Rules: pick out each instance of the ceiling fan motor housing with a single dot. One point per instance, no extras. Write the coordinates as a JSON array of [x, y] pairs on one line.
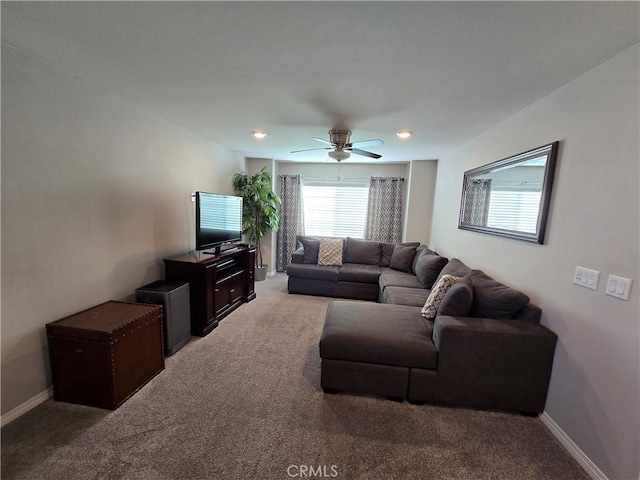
[[340, 137]]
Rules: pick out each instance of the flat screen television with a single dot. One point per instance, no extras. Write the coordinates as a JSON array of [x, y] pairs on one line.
[[218, 221]]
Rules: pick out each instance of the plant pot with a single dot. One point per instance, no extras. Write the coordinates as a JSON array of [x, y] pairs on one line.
[[261, 273]]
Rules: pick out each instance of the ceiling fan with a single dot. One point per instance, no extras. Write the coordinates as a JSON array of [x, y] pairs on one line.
[[342, 148]]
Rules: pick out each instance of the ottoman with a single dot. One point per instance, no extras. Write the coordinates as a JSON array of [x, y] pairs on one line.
[[369, 348]]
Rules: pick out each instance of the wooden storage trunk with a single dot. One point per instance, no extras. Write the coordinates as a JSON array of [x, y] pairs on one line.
[[102, 356]]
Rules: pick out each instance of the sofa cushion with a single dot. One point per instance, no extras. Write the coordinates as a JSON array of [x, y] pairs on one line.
[[311, 249], [330, 252], [362, 251], [393, 278], [436, 295], [402, 258], [355, 272], [316, 272], [454, 267], [492, 299], [387, 251], [428, 267], [420, 250], [299, 239], [298, 255], [458, 299], [415, 297], [377, 333]]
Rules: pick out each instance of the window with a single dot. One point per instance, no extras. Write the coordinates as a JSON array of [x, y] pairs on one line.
[[335, 209]]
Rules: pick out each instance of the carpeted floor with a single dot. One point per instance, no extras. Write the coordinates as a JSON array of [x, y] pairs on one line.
[[245, 403]]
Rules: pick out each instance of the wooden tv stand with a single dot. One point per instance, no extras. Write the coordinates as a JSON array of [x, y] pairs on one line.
[[218, 284]]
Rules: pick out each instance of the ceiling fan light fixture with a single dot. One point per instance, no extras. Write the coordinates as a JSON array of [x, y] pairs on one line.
[[404, 134], [339, 155], [258, 134]]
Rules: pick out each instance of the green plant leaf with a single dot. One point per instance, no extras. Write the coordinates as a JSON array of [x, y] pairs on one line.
[[259, 206]]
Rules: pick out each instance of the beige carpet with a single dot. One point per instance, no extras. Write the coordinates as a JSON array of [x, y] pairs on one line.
[[245, 403]]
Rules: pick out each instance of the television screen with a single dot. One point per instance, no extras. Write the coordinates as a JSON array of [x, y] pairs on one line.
[[218, 220]]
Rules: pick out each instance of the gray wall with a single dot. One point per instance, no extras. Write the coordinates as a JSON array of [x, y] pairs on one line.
[[593, 222], [420, 196], [95, 192]]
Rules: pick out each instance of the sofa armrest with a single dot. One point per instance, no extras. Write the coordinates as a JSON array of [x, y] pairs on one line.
[[529, 313], [494, 363], [298, 255]]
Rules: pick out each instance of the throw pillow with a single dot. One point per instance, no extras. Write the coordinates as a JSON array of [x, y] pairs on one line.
[[437, 294], [421, 250], [402, 258], [492, 299], [457, 301], [311, 249], [330, 252], [428, 268], [387, 251]]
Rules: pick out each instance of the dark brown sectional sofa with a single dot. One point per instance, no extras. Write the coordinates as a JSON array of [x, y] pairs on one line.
[[484, 349]]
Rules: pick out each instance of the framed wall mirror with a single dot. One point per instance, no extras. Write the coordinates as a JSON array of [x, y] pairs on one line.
[[510, 197]]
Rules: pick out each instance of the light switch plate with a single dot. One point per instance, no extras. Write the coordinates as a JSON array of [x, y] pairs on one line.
[[618, 287], [586, 277]]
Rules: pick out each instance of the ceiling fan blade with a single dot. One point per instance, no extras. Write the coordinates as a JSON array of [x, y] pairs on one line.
[[367, 143], [322, 140], [310, 149], [364, 153]]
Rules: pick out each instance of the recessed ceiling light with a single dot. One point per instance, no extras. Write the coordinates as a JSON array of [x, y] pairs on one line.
[[258, 134], [404, 133]]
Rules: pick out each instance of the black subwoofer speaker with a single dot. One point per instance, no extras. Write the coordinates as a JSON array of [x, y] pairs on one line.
[[176, 311]]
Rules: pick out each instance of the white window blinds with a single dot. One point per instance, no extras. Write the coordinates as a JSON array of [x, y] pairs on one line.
[[335, 209]]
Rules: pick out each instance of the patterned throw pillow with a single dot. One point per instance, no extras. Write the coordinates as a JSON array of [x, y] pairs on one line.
[[330, 252], [437, 294]]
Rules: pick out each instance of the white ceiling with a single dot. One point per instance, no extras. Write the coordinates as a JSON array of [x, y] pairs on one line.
[[446, 70]]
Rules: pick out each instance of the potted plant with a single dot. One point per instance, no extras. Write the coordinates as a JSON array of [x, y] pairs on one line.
[[259, 211]]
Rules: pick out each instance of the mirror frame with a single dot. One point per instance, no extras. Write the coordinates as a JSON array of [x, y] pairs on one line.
[[550, 151]]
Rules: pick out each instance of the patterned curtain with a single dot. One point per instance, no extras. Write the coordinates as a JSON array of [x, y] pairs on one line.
[[291, 219], [384, 211], [475, 210]]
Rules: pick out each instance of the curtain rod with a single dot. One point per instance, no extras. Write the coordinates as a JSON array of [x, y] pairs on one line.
[[336, 178], [348, 178]]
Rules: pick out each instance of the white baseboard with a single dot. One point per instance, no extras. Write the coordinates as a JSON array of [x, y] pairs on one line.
[[585, 462], [26, 406]]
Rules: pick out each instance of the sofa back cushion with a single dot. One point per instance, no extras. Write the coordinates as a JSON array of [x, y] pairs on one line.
[[362, 251], [458, 299], [492, 299], [387, 251], [428, 267], [454, 267], [402, 258]]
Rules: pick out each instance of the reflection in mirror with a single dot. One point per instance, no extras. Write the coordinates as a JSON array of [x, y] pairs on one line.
[[510, 197]]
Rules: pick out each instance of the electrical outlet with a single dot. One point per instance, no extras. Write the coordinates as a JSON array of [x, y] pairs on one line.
[[586, 277]]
